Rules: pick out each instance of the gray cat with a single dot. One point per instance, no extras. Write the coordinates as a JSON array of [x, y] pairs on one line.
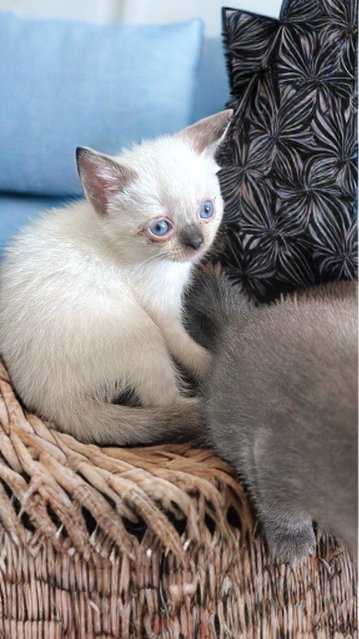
[[281, 404]]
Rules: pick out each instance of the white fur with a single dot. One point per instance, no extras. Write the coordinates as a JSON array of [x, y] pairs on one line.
[[90, 307]]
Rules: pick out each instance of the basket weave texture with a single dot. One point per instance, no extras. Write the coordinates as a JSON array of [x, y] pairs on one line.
[[146, 543]]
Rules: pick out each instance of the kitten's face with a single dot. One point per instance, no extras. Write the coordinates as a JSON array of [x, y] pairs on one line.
[[169, 205], [172, 209]]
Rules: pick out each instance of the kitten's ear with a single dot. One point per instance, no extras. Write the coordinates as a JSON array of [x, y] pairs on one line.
[[207, 134], [101, 177]]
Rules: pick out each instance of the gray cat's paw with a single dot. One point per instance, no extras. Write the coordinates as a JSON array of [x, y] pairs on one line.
[[291, 543]]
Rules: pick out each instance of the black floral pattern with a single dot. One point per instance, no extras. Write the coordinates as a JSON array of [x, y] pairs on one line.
[[289, 163]]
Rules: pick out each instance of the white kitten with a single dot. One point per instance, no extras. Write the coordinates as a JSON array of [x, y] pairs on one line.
[[90, 301]]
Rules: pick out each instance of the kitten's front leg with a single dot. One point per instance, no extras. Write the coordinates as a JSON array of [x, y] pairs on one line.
[[185, 350]]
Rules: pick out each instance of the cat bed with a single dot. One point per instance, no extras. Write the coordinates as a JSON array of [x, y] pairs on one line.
[[146, 543]]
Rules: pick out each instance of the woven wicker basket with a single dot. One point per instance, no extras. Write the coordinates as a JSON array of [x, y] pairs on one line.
[[146, 543]]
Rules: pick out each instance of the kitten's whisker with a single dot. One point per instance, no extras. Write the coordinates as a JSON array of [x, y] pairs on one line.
[[153, 258]]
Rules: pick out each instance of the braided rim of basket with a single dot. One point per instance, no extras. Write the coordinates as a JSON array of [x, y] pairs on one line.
[[51, 485]]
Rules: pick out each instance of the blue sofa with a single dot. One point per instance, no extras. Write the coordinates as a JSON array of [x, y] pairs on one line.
[[53, 101]]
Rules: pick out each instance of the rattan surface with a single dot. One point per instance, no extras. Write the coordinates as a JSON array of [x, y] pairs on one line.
[[146, 543]]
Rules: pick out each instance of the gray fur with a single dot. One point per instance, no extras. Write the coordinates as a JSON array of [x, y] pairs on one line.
[[281, 405]]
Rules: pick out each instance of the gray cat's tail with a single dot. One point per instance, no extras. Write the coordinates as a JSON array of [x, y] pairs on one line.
[[210, 304]]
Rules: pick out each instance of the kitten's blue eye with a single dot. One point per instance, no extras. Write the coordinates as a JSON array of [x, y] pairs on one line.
[[159, 227], [206, 210]]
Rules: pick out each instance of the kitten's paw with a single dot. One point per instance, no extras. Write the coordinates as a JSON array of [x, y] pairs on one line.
[[189, 402], [291, 543], [203, 363]]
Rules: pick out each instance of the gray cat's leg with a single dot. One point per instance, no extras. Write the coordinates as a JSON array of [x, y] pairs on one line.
[[290, 537], [288, 529]]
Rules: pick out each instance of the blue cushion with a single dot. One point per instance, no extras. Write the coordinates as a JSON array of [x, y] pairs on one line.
[[17, 210], [212, 86], [65, 84]]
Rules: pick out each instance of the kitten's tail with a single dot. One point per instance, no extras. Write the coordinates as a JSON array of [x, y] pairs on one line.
[[115, 424], [210, 303]]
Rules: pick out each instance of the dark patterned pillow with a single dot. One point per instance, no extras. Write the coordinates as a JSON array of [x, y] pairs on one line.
[[289, 163]]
